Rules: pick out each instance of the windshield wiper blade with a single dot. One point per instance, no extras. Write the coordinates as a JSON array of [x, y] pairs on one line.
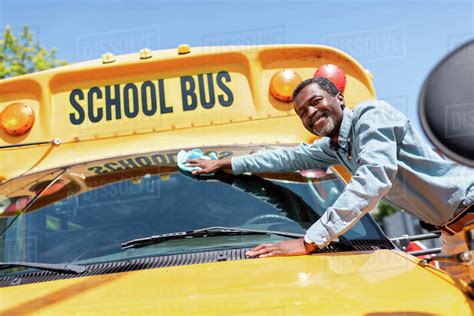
[[203, 232], [64, 268], [343, 241]]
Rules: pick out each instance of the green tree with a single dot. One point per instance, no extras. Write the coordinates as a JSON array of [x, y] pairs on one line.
[[383, 209], [19, 56]]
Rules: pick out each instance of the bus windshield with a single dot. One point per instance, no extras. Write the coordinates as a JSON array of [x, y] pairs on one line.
[[84, 213]]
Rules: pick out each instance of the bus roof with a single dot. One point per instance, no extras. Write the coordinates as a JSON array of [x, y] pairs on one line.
[[160, 100]]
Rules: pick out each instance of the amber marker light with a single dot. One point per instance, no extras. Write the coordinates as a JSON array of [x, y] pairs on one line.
[[283, 83], [17, 119]]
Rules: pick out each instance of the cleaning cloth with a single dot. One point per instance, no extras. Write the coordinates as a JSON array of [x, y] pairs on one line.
[[183, 156]]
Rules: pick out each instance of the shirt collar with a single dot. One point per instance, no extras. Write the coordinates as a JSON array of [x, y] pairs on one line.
[[344, 129]]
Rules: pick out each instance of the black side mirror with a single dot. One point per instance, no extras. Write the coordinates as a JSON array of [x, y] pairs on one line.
[[446, 105]]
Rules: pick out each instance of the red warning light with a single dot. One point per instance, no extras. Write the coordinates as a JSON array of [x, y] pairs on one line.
[[333, 73]]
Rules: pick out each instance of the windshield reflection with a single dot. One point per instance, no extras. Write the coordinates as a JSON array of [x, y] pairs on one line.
[[89, 215]]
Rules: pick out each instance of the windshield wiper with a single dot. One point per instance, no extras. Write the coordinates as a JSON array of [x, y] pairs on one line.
[[64, 268], [203, 232]]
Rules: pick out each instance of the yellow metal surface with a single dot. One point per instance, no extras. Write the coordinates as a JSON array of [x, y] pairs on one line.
[[219, 94], [377, 283]]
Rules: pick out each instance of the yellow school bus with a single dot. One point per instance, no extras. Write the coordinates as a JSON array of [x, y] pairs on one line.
[[96, 217]]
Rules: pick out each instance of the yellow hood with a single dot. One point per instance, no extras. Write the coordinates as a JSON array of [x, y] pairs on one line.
[[380, 282]]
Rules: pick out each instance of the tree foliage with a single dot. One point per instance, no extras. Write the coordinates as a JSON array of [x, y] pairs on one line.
[[22, 55], [383, 209]]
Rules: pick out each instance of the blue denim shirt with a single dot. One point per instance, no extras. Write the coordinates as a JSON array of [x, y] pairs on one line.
[[387, 159]]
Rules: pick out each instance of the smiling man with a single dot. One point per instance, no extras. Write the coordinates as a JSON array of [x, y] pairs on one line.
[[384, 153]]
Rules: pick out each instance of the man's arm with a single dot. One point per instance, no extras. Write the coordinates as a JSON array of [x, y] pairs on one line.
[[301, 157], [304, 156], [378, 130]]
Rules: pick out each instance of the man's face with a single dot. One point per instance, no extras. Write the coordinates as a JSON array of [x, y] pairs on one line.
[[320, 112]]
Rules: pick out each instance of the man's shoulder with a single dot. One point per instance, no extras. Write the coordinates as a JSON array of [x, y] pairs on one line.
[[373, 104], [320, 142], [377, 108]]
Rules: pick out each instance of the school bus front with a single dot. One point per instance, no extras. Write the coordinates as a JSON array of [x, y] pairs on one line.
[[96, 217]]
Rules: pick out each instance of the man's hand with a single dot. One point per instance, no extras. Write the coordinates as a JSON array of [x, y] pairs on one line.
[[294, 247], [208, 166]]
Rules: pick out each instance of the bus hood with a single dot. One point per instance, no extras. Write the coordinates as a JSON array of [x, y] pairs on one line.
[[371, 283]]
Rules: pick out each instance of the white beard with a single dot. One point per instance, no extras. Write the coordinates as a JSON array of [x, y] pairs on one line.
[[328, 128]]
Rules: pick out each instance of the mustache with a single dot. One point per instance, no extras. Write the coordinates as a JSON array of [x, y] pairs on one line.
[[319, 115]]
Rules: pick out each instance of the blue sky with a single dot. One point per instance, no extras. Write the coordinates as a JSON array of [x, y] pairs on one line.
[[399, 41]]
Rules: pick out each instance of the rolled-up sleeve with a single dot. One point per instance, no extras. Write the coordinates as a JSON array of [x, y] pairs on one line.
[[301, 157], [377, 133]]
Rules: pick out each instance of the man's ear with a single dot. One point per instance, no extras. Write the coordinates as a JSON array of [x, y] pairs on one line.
[[341, 100]]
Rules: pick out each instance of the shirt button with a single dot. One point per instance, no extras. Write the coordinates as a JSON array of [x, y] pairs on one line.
[[325, 239]]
